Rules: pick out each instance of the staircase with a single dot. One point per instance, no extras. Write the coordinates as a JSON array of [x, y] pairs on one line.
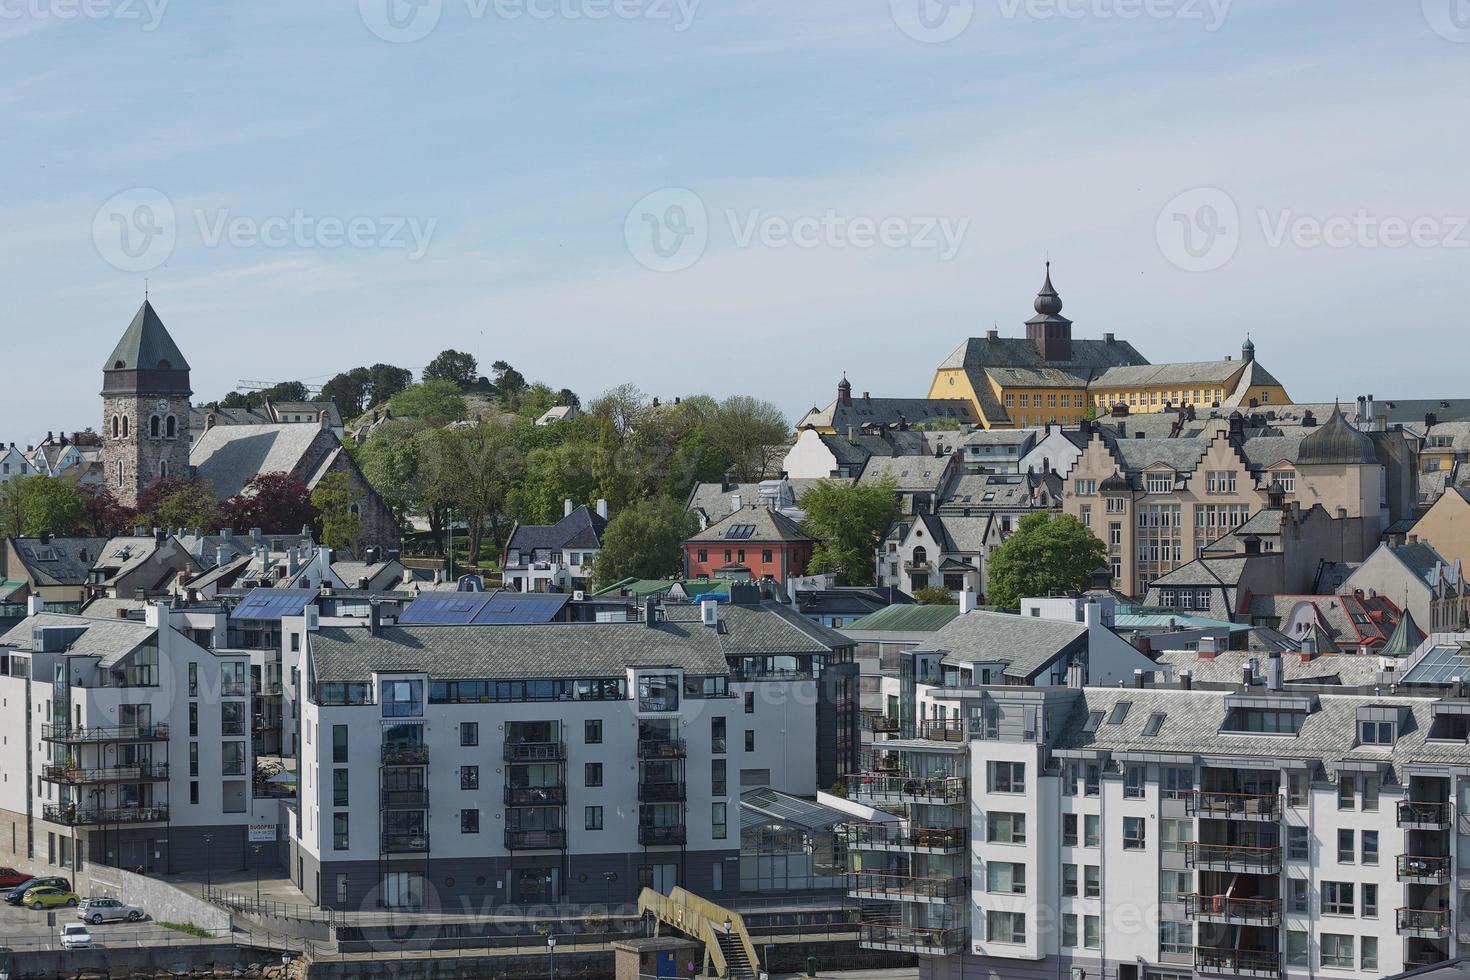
[[737, 964], [728, 949]]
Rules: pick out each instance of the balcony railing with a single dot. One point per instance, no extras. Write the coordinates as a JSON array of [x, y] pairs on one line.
[[879, 788], [880, 724], [404, 799], [1422, 866], [404, 843], [912, 939], [1233, 857], [122, 733], [662, 836], [902, 887], [535, 751], [1237, 962], [405, 754], [535, 796], [661, 748], [74, 816], [1220, 907], [1428, 923], [535, 840], [1246, 806], [893, 837], [661, 792], [75, 776], [949, 730], [1425, 816]]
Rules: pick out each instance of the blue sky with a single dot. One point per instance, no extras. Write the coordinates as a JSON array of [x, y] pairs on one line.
[[490, 169]]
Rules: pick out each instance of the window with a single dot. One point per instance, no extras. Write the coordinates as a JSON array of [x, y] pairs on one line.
[[1069, 881], [1370, 794], [193, 758], [1092, 931], [1368, 960], [1115, 533], [1176, 937], [1092, 830], [1296, 789], [592, 731], [1160, 483], [469, 733], [193, 721], [766, 556], [1337, 951], [750, 702], [1346, 846], [1298, 845], [1370, 900], [1006, 828], [1092, 881], [1178, 783], [592, 774], [340, 795], [232, 757], [1377, 733], [1133, 833], [1154, 724], [1003, 876], [1007, 777], [592, 817], [1174, 834], [1174, 885], [1092, 785], [339, 744], [1370, 847], [194, 792], [1347, 791], [193, 680], [469, 777], [1298, 895], [750, 740], [1296, 948], [1069, 830], [469, 821], [1133, 780], [717, 735], [1069, 930], [717, 779], [341, 889], [403, 699], [339, 831], [1006, 927], [1337, 898], [719, 822]]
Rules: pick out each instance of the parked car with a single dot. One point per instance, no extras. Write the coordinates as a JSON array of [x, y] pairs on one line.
[[16, 895], [11, 878], [74, 935], [100, 910], [51, 897]]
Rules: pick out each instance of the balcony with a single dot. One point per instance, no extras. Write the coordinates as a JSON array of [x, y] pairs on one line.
[[1237, 962], [1233, 857], [1234, 806], [662, 836], [71, 815], [1220, 908], [123, 733], [234, 689], [879, 724], [535, 751], [75, 776], [948, 730], [902, 888], [889, 837], [403, 799], [404, 843], [535, 796], [405, 754], [1424, 923], [1423, 870], [1425, 816], [535, 840], [876, 788], [661, 748], [663, 792], [911, 939]]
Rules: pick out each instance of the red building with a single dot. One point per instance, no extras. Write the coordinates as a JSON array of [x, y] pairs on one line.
[[753, 542]]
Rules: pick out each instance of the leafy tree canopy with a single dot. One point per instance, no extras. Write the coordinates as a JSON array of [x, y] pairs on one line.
[[643, 541], [31, 505], [1046, 553], [454, 366], [274, 502], [847, 522], [434, 403], [333, 499]]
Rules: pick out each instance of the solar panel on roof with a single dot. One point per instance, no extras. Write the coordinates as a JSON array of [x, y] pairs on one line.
[[437, 610], [273, 603]]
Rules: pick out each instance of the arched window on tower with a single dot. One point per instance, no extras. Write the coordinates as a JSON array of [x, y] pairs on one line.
[[921, 557], [124, 426], [154, 426], [163, 469], [116, 427], [119, 472], [171, 427]]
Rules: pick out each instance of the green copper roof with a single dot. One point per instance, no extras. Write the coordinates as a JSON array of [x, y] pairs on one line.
[[146, 346], [1405, 639], [907, 618]]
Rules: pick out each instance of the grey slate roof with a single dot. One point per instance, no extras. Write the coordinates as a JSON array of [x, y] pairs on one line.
[[582, 528], [146, 346], [110, 640], [988, 491], [1183, 373], [1024, 643], [230, 456], [70, 561], [769, 525], [1224, 572], [713, 499], [1227, 668], [912, 474], [889, 410]]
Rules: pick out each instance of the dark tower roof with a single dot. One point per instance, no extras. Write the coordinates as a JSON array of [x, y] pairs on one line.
[[1405, 639], [1048, 302], [1336, 442], [146, 346], [1248, 349]]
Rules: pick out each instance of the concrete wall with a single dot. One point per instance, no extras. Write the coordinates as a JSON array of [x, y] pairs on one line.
[[161, 901], [147, 961]]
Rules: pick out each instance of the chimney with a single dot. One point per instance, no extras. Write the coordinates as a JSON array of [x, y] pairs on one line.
[[1208, 647], [967, 602], [650, 612], [566, 507], [1247, 675], [221, 556], [1186, 679], [35, 605], [1076, 677], [1140, 678], [1143, 644], [992, 335], [734, 502], [255, 534], [45, 537], [227, 533], [1430, 420], [709, 613], [602, 508], [292, 562], [375, 619], [1108, 338], [1274, 671], [1369, 417]]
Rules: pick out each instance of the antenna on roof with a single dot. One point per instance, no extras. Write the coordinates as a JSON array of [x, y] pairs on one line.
[[145, 289]]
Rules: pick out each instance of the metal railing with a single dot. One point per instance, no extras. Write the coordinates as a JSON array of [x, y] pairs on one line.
[[1431, 814], [661, 836], [1423, 866], [73, 816], [898, 837], [403, 799], [75, 775], [405, 754], [535, 796], [912, 938], [1436, 921], [661, 748], [1237, 962], [403, 843], [1205, 803], [535, 840], [1266, 910], [661, 792], [881, 724], [901, 788], [535, 751], [902, 886], [947, 730], [117, 733], [1233, 856]]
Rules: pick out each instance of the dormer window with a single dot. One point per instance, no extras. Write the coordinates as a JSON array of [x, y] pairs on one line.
[[1258, 721], [1376, 733], [1160, 483]]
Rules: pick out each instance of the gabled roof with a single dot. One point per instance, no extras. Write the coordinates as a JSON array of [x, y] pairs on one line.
[[906, 619], [752, 522], [1405, 639], [146, 346], [582, 528], [230, 456], [58, 561], [1025, 644]]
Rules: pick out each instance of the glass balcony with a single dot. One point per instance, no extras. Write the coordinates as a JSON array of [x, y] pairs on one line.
[[661, 836], [661, 748], [1424, 923], [661, 792], [896, 837], [404, 843], [1423, 869], [950, 730], [535, 751], [71, 815], [535, 796], [77, 776], [405, 754], [912, 939], [404, 799], [1237, 962], [535, 840], [884, 788], [1233, 857], [124, 733], [1219, 908], [1425, 816], [903, 888], [1234, 806]]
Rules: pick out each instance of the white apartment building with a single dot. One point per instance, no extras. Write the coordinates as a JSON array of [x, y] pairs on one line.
[[479, 766], [1154, 834]]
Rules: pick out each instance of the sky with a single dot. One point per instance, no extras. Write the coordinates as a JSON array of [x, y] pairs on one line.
[[728, 196]]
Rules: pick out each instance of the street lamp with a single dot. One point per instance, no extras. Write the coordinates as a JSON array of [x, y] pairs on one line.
[[551, 954], [208, 864], [729, 925], [256, 849]]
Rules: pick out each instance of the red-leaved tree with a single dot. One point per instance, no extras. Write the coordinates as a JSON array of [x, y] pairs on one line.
[[105, 516], [275, 502]]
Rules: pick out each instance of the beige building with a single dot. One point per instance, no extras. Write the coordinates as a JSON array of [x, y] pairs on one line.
[[1157, 503], [1447, 526]]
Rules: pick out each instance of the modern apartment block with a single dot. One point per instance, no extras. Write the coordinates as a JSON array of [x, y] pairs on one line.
[[1153, 834], [477, 766]]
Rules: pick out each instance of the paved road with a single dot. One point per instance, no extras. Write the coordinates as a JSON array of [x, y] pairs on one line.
[[21, 928]]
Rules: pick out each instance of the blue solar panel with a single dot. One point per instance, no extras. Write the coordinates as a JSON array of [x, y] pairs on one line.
[[522, 608], [273, 603], [453, 609], [484, 608]]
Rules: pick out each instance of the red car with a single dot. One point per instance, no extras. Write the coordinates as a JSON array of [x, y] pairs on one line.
[[11, 878]]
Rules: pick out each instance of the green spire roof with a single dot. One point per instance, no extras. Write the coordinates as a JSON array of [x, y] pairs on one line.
[[1405, 639], [146, 346]]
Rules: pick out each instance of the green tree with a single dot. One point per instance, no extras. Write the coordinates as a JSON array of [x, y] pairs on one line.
[[350, 391], [385, 381], [191, 505], [334, 499], [752, 433], [434, 403], [934, 595], [454, 366], [644, 541], [848, 521], [30, 505], [1047, 553], [474, 468], [553, 474], [508, 381], [393, 461]]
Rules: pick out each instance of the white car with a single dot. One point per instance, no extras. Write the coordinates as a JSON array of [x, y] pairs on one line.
[[100, 910], [74, 935]]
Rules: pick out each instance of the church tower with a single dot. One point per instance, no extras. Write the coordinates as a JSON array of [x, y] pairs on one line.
[[145, 409]]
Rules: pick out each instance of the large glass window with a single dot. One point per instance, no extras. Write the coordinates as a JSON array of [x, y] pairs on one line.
[[402, 699], [658, 692]]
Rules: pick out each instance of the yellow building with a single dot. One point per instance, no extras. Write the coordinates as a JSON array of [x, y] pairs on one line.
[[1047, 376]]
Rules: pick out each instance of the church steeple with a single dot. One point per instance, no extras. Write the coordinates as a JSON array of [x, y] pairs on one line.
[[145, 409], [1048, 329]]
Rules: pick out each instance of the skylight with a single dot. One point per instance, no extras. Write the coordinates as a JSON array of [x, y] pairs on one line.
[[1094, 719], [740, 531], [1120, 712], [1154, 723]]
